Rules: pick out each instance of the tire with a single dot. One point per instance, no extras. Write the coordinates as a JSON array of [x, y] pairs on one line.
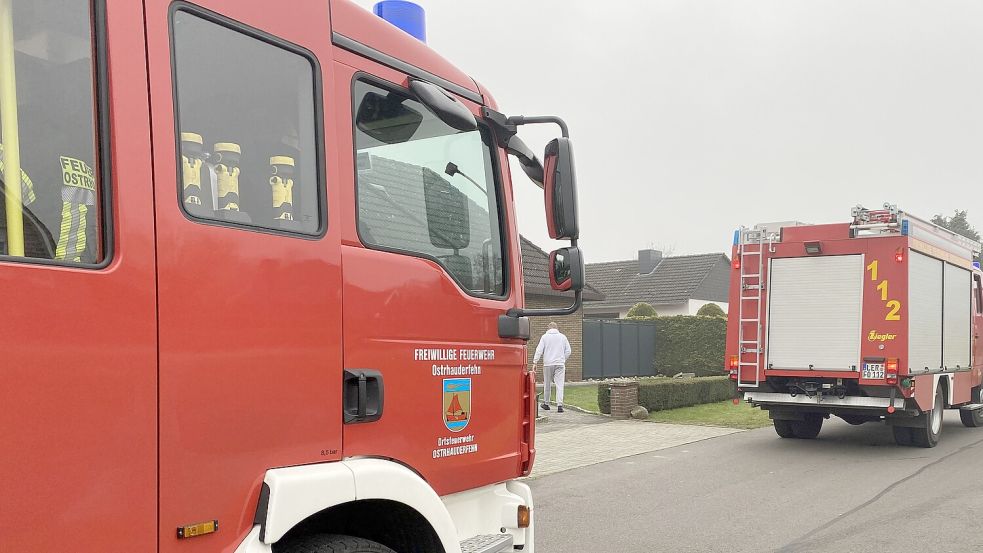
[[809, 428], [331, 543], [902, 435], [783, 428], [971, 419], [928, 436], [856, 420]]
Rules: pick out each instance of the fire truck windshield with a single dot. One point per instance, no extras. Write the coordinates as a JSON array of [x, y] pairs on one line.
[[427, 189]]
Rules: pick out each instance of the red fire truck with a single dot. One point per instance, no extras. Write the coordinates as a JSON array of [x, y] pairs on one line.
[[874, 319], [263, 284]]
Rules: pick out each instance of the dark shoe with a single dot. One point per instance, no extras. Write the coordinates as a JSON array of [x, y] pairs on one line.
[[559, 408], [545, 406]]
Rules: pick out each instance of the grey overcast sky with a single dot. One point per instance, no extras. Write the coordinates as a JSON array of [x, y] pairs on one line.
[[693, 117]]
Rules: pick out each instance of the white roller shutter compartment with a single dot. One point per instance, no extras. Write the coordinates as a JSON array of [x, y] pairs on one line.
[[814, 312], [924, 311], [957, 316]]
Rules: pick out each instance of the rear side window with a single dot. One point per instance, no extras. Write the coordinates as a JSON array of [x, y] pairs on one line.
[[49, 159], [248, 127]]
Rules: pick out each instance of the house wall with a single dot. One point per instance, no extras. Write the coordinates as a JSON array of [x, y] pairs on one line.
[[673, 309], [695, 305], [570, 325]]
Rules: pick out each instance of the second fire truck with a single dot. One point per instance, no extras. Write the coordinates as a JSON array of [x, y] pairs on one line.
[[874, 319]]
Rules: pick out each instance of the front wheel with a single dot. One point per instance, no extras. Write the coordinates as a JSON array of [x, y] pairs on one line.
[[928, 436], [331, 543], [971, 419]]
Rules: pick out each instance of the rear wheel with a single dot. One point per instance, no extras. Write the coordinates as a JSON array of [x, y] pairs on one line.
[[331, 543], [928, 436], [902, 435], [784, 428], [809, 428], [972, 419]]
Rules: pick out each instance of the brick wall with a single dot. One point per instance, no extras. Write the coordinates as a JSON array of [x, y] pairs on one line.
[[624, 398], [571, 325]]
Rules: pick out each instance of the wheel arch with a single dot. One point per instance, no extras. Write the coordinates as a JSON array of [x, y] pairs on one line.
[[333, 496]]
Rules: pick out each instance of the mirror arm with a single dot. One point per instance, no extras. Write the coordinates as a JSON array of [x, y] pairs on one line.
[[557, 312], [517, 120]]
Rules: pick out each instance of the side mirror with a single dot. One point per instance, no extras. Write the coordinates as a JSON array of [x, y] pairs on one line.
[[567, 269], [447, 108], [560, 183]]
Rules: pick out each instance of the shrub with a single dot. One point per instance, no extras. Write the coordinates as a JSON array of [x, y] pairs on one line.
[[710, 310], [690, 344], [658, 394], [641, 311]]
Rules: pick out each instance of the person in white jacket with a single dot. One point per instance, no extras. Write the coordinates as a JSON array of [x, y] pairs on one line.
[[553, 349]]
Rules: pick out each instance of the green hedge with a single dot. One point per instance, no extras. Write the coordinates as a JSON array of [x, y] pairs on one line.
[[657, 394], [690, 344]]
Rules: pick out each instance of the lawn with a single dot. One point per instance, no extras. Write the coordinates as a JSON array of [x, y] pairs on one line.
[[723, 413], [584, 397]]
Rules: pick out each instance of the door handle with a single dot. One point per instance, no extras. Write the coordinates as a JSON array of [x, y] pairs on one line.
[[362, 396]]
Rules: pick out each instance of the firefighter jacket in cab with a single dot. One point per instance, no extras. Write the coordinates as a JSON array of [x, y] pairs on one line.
[[78, 200]]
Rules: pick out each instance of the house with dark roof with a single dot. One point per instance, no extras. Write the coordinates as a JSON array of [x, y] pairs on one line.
[[539, 294], [674, 285]]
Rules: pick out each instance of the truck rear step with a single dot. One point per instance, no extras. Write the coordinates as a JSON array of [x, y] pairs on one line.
[[487, 543]]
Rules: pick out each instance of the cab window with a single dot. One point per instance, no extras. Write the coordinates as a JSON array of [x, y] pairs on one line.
[[247, 127], [427, 189], [49, 167]]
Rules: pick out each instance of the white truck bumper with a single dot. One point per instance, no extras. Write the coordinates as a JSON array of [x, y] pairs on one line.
[[848, 402]]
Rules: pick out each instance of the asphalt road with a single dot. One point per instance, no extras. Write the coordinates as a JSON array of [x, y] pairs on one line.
[[850, 490]]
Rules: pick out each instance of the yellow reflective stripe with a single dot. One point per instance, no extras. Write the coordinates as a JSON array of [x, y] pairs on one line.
[[80, 239], [71, 237], [66, 225], [26, 184]]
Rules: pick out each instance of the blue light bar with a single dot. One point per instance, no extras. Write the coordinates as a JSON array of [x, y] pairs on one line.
[[976, 264], [904, 227], [737, 237], [406, 15]]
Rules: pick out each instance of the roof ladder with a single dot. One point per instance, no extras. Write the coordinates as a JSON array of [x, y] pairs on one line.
[[750, 307]]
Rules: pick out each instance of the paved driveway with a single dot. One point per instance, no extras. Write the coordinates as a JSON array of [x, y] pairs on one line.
[[852, 490]]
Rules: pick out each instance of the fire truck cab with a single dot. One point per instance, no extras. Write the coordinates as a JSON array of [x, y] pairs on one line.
[[874, 319], [263, 284]]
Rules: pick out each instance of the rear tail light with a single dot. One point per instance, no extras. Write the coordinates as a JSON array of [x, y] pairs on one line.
[[899, 255], [891, 371], [732, 366], [737, 262]]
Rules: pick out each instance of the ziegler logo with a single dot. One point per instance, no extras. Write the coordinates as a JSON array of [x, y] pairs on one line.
[[875, 336]]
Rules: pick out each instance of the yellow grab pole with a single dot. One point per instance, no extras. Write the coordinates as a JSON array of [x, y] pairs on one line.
[[11, 134]]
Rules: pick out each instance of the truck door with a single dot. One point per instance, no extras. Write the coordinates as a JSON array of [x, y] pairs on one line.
[[78, 379], [427, 272], [248, 237]]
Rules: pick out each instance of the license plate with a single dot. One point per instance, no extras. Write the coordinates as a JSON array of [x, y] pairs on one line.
[[874, 371]]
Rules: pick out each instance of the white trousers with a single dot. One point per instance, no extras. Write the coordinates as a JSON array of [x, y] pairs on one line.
[[553, 374]]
